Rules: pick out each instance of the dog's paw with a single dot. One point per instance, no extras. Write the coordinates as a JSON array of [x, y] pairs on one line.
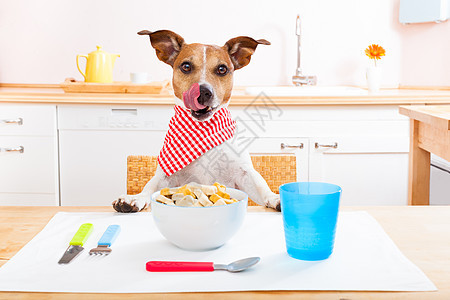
[[130, 203], [273, 201]]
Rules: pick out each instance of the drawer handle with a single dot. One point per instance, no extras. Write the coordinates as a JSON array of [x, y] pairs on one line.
[[284, 146], [19, 149], [317, 145], [18, 121], [124, 111]]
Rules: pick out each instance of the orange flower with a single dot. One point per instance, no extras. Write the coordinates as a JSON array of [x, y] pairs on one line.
[[375, 52]]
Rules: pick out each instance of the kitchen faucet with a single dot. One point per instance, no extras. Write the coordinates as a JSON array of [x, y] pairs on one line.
[[299, 79]]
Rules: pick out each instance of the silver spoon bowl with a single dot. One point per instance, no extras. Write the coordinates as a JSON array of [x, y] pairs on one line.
[[239, 265]]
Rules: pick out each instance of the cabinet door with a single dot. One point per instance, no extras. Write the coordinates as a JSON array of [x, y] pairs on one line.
[[32, 170], [93, 164], [370, 170], [28, 155], [27, 119], [35, 199], [283, 146]]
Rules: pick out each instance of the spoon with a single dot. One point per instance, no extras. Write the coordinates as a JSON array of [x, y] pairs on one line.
[[189, 266]]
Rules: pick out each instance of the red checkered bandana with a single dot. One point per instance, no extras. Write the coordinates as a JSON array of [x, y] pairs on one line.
[[187, 138]]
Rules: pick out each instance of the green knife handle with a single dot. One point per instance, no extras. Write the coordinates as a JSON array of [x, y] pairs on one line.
[[82, 234]]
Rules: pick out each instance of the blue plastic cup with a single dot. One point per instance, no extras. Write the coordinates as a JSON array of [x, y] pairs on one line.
[[310, 211]]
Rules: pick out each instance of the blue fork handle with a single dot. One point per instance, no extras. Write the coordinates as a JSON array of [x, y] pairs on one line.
[[109, 236]]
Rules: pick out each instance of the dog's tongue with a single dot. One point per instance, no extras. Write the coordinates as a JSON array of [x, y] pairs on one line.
[[190, 98]]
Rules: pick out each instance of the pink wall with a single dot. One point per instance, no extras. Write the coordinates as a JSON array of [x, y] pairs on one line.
[[425, 50], [40, 39], [425, 54]]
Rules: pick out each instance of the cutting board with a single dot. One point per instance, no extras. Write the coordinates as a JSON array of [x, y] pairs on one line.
[[70, 85]]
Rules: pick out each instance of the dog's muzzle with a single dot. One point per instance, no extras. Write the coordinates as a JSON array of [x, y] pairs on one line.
[[198, 99]]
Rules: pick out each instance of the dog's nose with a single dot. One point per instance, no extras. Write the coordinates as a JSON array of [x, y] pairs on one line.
[[206, 94]]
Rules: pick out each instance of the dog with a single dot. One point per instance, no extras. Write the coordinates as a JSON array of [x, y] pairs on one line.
[[202, 83]]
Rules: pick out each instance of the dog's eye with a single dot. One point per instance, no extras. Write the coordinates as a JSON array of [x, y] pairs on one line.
[[222, 70], [186, 67]]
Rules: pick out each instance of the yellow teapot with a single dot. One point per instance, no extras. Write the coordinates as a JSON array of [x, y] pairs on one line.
[[99, 66]]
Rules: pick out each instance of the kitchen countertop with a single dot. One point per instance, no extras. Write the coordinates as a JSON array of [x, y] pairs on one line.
[[420, 232], [35, 93]]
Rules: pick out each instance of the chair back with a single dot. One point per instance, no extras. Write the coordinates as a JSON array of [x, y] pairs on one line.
[[275, 169]]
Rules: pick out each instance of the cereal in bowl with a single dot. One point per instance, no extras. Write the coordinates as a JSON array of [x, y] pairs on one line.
[[194, 194]]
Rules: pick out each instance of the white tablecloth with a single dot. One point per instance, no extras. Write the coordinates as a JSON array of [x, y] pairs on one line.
[[365, 259]]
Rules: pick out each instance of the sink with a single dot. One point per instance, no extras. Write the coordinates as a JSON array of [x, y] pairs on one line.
[[305, 90]]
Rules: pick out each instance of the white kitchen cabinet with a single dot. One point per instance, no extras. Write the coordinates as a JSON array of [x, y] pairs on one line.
[[94, 163], [363, 149], [30, 171], [28, 119], [285, 146], [28, 155], [94, 142], [370, 170], [367, 175]]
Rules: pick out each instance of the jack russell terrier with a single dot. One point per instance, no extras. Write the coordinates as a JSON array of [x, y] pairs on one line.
[[202, 126]]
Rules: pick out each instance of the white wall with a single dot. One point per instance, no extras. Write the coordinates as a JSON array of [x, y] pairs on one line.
[[39, 40]]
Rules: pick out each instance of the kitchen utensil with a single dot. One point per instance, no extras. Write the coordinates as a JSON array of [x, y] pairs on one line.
[[187, 266], [310, 211], [108, 237], [75, 245], [99, 66]]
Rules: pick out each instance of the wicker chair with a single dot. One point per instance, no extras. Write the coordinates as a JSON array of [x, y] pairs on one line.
[[275, 169]]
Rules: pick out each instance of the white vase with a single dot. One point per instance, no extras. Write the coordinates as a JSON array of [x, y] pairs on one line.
[[373, 75]]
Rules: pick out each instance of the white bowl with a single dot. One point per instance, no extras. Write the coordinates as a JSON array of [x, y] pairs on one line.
[[200, 228]]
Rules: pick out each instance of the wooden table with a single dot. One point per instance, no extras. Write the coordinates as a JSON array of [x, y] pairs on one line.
[[421, 232], [429, 133]]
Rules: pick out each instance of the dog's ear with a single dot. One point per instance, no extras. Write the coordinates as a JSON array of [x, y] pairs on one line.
[[241, 49], [166, 43]]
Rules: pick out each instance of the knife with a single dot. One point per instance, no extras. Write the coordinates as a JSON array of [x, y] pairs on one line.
[[75, 245]]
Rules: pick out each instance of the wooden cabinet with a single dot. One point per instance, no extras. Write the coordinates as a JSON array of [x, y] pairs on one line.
[[28, 155]]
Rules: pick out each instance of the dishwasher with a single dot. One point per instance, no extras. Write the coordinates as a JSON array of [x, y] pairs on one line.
[[439, 181], [94, 142]]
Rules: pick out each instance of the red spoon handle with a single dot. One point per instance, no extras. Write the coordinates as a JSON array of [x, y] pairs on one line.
[[179, 266]]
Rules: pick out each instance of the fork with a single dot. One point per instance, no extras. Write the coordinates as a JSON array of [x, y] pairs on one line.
[[105, 242]]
